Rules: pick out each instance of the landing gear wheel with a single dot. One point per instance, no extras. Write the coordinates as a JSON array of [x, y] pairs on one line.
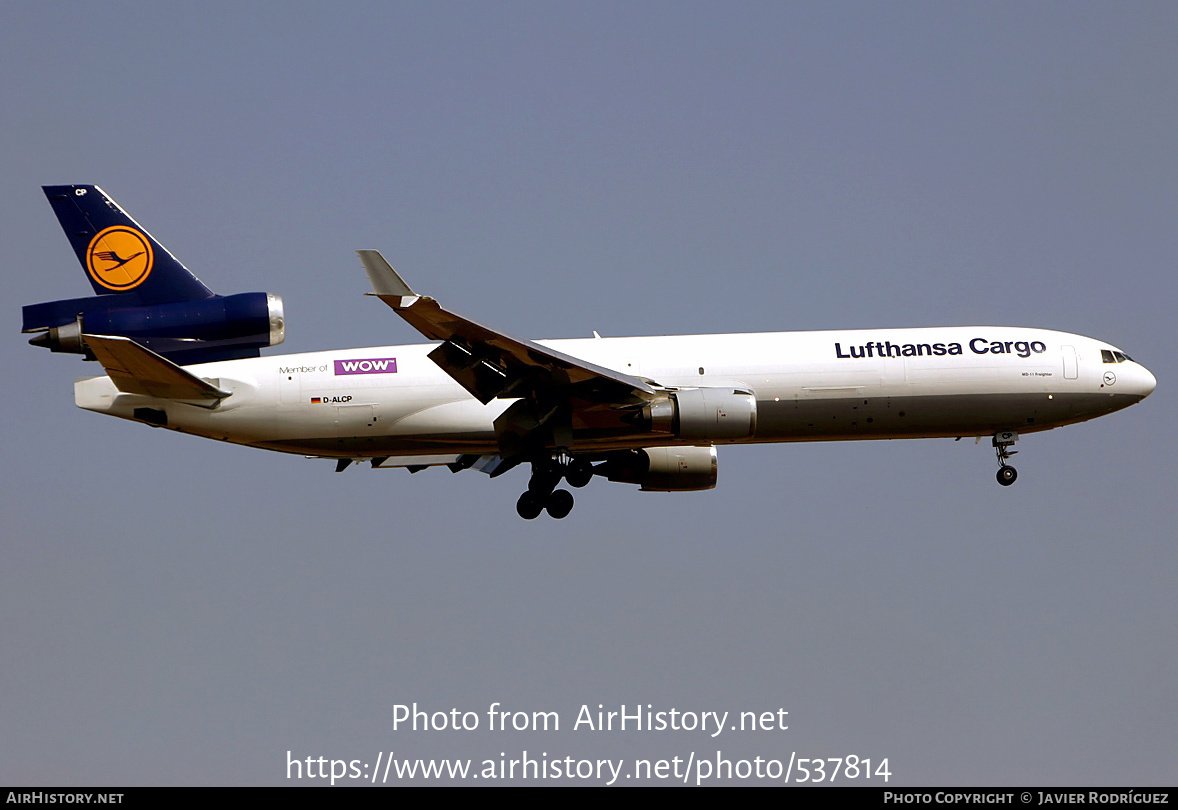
[[542, 482], [579, 473], [1002, 442], [560, 503], [529, 506]]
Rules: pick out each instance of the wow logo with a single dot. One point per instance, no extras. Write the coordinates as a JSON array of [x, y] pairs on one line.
[[376, 365], [119, 258]]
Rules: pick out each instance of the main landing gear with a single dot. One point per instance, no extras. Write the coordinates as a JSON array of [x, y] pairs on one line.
[[1002, 442], [542, 494]]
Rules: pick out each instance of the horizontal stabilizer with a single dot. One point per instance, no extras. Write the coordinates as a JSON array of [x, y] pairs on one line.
[[137, 370]]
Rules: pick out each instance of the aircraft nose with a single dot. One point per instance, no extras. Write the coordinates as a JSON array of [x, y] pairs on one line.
[[1148, 382]]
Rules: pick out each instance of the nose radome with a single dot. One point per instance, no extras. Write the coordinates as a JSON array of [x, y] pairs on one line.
[[1148, 382]]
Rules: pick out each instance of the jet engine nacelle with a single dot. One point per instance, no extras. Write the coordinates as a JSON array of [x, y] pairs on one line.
[[704, 414], [664, 469], [182, 330]]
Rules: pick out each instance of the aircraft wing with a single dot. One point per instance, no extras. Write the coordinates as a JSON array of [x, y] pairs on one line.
[[491, 364], [135, 369]]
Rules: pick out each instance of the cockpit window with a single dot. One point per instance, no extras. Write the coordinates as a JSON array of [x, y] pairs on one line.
[[1107, 356]]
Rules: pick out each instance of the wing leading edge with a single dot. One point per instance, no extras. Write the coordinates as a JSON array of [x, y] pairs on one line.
[[550, 386], [489, 363]]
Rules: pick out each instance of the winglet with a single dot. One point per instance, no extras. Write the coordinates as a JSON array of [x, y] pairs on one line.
[[386, 284]]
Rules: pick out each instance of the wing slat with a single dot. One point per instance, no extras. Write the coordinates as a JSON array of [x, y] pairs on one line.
[[489, 363]]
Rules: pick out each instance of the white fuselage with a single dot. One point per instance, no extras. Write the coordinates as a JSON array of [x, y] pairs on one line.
[[809, 386]]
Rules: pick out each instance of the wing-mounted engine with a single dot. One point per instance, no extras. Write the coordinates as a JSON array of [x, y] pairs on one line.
[[556, 394], [704, 414], [663, 469]]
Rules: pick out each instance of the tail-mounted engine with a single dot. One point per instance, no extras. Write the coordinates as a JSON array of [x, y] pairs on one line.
[[143, 292], [214, 328]]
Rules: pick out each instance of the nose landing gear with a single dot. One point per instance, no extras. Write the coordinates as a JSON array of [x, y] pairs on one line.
[[1002, 442]]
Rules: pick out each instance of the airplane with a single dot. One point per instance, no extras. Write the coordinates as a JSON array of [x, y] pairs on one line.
[[649, 411]]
